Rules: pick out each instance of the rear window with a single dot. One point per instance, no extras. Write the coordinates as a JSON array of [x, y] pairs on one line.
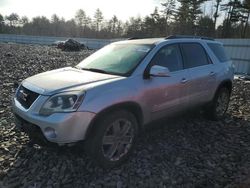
[[219, 51]]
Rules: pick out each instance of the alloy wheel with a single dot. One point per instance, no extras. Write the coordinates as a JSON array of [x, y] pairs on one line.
[[118, 139]]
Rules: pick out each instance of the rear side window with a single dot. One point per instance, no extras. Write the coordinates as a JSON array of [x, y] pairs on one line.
[[194, 55], [219, 51]]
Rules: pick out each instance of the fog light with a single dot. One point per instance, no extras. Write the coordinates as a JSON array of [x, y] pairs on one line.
[[50, 132]]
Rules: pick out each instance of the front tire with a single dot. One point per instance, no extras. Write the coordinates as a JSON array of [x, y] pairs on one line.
[[113, 139], [217, 109]]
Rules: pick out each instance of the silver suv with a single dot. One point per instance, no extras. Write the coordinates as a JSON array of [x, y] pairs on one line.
[[112, 95]]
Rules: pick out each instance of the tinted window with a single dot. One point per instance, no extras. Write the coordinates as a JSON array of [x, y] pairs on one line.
[[194, 55], [219, 51], [170, 57]]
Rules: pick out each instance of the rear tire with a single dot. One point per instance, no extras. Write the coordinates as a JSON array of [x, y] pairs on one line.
[[113, 139], [217, 109]]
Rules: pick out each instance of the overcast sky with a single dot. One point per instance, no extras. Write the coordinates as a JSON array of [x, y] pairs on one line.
[[123, 9], [67, 8]]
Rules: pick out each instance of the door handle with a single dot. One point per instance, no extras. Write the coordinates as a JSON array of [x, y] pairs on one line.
[[184, 80], [212, 73]]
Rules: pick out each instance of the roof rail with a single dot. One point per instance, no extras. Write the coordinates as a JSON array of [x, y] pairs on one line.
[[188, 36]]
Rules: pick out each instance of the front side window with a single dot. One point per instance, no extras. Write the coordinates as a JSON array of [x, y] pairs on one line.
[[170, 57], [194, 55], [118, 59]]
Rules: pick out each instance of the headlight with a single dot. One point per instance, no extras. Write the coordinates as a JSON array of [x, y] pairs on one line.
[[63, 102]]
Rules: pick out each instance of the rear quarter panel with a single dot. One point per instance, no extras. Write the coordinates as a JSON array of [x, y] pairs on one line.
[[224, 70]]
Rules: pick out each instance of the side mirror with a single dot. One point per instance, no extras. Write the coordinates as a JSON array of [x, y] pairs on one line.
[[159, 71]]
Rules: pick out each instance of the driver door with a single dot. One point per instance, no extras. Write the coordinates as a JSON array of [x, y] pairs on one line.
[[167, 95]]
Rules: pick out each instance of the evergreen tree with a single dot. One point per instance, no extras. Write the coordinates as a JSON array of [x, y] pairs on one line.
[[205, 26], [1, 19], [114, 21], [98, 18], [183, 22], [1, 23], [82, 19], [134, 27], [168, 12]]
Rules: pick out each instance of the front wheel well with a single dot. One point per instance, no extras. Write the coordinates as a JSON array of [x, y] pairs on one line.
[[132, 107]]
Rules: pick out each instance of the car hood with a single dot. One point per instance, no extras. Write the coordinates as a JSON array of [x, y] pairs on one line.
[[64, 79]]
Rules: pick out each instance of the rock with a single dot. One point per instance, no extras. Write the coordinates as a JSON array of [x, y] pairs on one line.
[[4, 122], [8, 54], [178, 161], [148, 173], [1, 159], [119, 184]]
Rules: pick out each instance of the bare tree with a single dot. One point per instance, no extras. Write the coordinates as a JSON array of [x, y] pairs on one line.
[[216, 14], [246, 6], [13, 19], [24, 20], [234, 13]]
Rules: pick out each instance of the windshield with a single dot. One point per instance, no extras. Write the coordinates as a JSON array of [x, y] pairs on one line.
[[119, 59]]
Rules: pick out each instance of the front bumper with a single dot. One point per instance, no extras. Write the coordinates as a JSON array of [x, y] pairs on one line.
[[60, 128]]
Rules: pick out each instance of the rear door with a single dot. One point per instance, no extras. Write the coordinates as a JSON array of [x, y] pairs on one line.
[[202, 73]]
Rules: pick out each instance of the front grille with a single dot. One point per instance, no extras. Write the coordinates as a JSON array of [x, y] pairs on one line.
[[26, 97]]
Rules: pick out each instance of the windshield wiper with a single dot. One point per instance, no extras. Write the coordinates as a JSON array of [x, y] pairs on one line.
[[98, 70], [94, 70]]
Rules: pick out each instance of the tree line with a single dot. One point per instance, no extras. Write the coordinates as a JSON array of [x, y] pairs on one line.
[[225, 19]]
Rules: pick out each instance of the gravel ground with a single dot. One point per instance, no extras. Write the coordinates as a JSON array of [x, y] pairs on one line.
[[186, 152]]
